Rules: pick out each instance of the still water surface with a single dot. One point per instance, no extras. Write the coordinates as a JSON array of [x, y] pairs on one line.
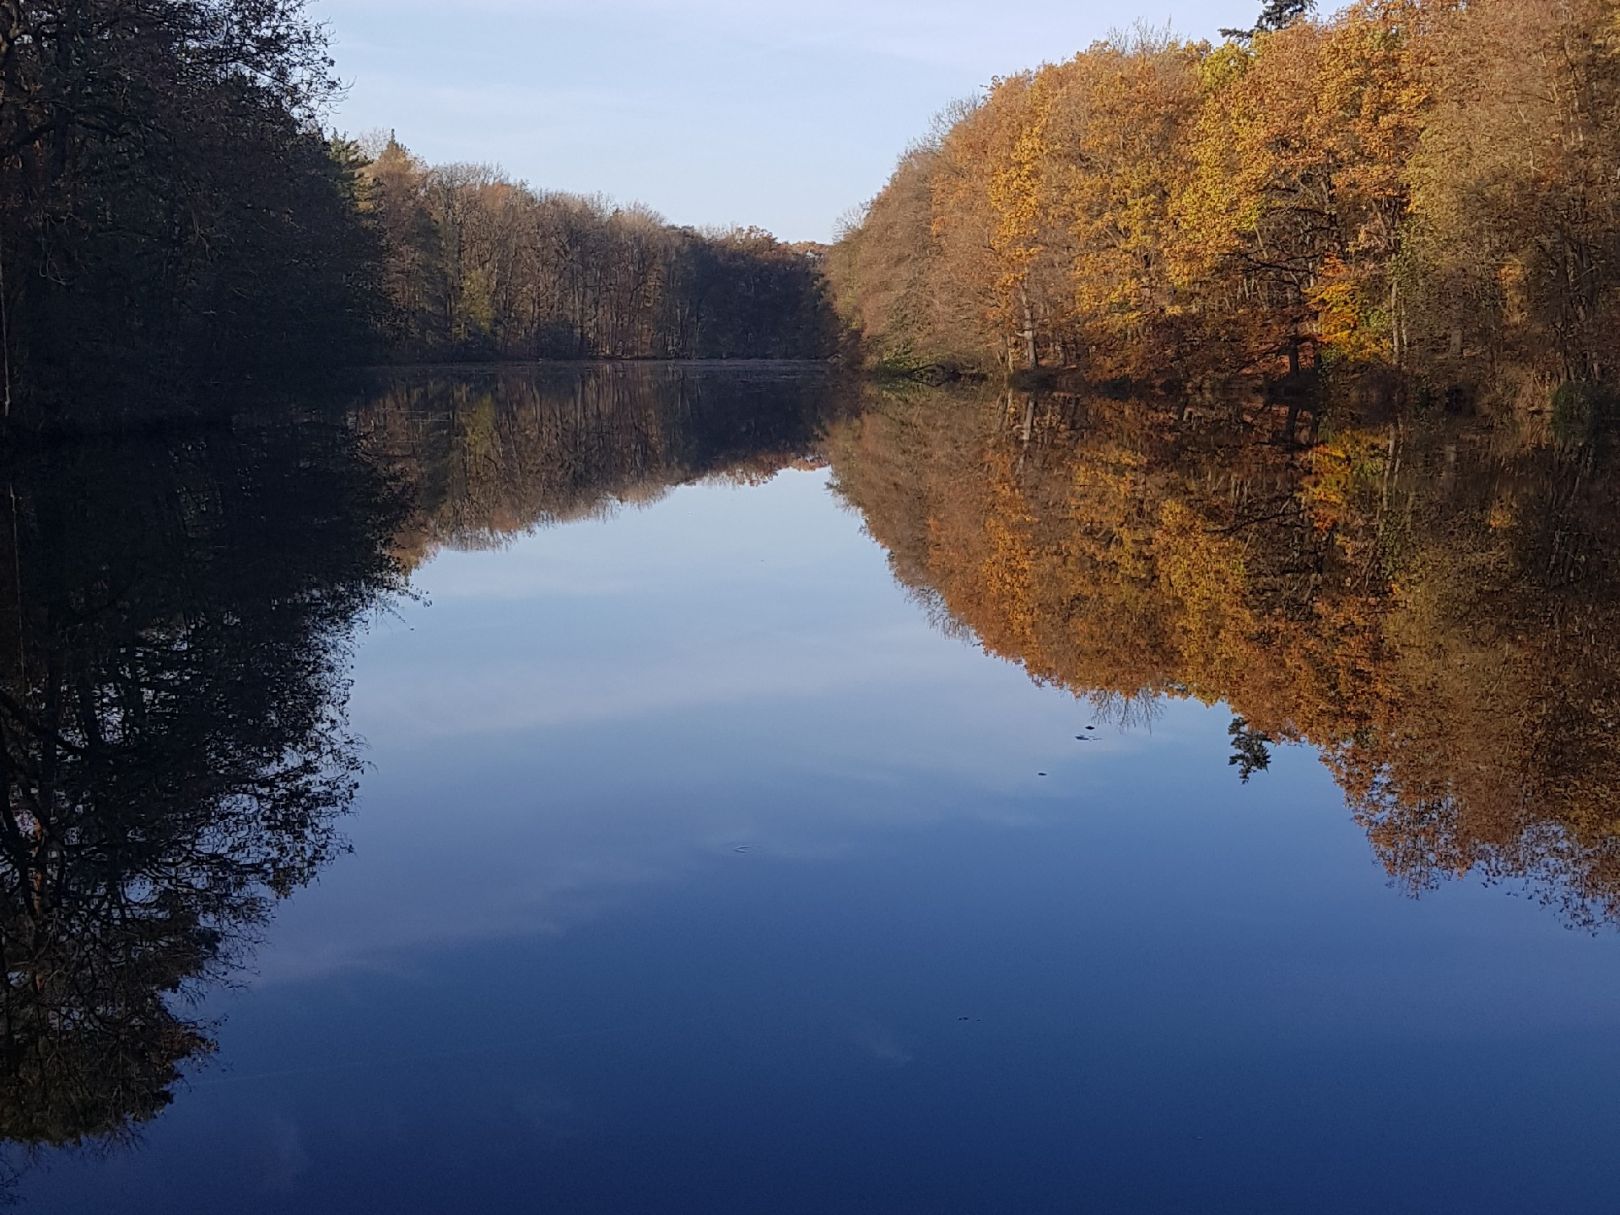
[[730, 790]]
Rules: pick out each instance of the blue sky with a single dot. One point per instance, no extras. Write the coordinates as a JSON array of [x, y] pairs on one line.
[[783, 115]]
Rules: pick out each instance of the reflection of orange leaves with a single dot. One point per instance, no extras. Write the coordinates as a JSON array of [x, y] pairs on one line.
[[1007, 571], [1342, 470], [1205, 573], [1113, 559]]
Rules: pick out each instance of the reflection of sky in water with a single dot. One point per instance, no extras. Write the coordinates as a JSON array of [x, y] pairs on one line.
[[697, 873]]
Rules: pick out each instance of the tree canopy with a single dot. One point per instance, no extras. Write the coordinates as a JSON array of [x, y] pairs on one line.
[[1426, 186], [478, 266]]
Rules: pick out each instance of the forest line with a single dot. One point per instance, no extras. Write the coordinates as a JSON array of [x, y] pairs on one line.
[[475, 265], [174, 215], [1425, 187], [1428, 186]]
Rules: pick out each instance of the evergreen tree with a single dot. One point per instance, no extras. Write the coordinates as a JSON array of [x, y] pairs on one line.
[[1274, 15]]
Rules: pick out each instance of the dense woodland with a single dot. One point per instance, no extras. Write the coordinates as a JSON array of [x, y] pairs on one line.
[[1424, 185], [478, 266], [169, 204], [175, 215], [1429, 187]]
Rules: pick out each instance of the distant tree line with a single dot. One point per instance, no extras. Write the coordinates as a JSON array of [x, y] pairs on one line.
[[477, 265], [1426, 185], [172, 213]]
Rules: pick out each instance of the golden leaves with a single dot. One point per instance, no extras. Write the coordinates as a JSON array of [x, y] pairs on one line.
[[1406, 182]]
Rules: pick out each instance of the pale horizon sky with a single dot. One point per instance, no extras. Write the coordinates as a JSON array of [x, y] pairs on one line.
[[713, 112]]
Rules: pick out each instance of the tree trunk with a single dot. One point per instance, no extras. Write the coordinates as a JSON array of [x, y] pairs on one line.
[[1032, 356]]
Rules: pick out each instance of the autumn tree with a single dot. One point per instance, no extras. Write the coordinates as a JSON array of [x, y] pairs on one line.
[[1516, 242], [477, 266], [1423, 186]]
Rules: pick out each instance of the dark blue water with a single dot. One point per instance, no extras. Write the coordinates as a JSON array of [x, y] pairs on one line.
[[695, 868]]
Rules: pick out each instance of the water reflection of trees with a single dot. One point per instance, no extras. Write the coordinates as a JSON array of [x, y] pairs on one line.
[[495, 455], [174, 627], [1431, 605]]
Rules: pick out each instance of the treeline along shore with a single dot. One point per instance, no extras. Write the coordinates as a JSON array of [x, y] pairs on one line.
[[1430, 187], [174, 217], [1427, 190]]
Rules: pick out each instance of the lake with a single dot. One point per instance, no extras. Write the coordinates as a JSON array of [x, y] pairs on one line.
[[735, 789]]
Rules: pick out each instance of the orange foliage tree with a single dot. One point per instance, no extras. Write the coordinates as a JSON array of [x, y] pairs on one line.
[[1425, 185]]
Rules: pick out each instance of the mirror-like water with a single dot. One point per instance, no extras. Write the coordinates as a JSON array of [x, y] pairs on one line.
[[729, 789]]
